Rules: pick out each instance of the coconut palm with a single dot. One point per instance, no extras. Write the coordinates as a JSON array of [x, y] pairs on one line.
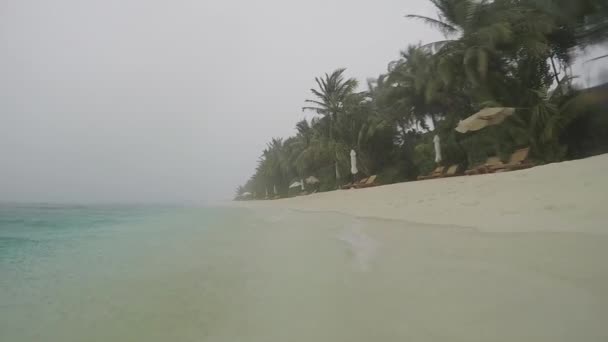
[[330, 97], [475, 30], [414, 87], [332, 93], [511, 53], [488, 34], [586, 19]]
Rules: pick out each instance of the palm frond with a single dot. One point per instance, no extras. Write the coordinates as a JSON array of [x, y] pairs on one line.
[[445, 28], [596, 58]]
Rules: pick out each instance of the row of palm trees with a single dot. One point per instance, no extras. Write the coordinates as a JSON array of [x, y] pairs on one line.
[[514, 53]]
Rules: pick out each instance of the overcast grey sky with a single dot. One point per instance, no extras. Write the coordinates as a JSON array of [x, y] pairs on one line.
[[174, 100]]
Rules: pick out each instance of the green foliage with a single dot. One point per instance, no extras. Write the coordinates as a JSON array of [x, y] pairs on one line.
[[393, 174], [424, 157], [499, 53]]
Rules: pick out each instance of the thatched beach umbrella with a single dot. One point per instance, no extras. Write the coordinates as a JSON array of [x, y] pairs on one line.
[[484, 118], [312, 180]]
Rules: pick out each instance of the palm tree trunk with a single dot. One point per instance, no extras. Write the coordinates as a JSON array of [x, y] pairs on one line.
[[335, 149], [555, 74], [337, 169]]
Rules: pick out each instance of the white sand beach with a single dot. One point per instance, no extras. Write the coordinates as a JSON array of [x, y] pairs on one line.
[[568, 196], [516, 256]]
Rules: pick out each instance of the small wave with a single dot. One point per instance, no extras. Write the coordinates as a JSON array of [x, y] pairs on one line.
[[361, 245]]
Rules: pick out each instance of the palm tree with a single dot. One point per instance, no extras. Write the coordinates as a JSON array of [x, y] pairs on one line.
[[414, 86], [588, 19], [330, 97], [240, 190], [271, 166], [457, 19], [305, 132], [496, 52], [480, 29]]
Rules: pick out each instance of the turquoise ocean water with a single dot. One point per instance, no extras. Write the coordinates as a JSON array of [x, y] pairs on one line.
[[100, 273], [128, 273]]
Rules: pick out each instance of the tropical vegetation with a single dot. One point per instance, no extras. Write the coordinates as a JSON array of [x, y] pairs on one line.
[[500, 53]]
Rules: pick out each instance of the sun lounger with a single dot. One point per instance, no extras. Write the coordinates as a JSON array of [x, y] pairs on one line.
[[436, 173], [486, 167], [347, 185], [518, 161], [452, 171], [353, 184], [371, 181]]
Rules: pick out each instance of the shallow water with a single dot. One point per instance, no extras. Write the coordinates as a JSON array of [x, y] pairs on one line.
[[228, 274]]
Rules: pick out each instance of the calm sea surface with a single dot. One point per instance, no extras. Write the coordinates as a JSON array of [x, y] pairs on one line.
[[79, 273]]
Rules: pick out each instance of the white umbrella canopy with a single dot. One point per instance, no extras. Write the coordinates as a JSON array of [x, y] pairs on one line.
[[486, 117], [353, 162], [312, 180], [437, 143]]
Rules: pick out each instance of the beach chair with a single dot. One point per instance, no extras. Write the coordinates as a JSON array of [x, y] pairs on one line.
[[486, 167], [518, 161], [346, 186], [436, 173], [353, 184], [371, 181], [452, 171]]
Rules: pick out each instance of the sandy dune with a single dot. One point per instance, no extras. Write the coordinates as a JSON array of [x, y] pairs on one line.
[[568, 196]]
